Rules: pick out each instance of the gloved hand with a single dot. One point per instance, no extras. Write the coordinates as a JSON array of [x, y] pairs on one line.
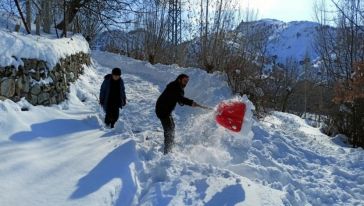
[[194, 104]]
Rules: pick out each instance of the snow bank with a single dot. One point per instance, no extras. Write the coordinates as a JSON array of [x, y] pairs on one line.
[[14, 46]]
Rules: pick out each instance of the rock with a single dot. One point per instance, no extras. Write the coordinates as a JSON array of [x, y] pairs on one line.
[[15, 98], [13, 73], [65, 79], [58, 86], [35, 75], [71, 76], [47, 88], [43, 75], [57, 67], [53, 100], [58, 76], [53, 77], [60, 98], [33, 99], [8, 71], [22, 85], [19, 86], [24, 70], [42, 66], [7, 87], [26, 84], [35, 89], [43, 98]]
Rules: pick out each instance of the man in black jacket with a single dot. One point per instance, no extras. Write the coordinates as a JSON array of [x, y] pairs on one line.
[[112, 96], [165, 105]]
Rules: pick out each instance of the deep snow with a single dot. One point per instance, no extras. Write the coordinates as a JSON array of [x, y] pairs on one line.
[[14, 46], [61, 155]]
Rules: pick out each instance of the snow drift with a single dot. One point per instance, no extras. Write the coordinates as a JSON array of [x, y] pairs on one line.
[[14, 46]]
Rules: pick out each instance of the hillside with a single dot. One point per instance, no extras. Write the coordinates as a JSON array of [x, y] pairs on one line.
[[294, 40]]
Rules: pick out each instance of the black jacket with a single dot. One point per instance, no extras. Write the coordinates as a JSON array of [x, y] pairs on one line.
[[105, 92], [168, 99]]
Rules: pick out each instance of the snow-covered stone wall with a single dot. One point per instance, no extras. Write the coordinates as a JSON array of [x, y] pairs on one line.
[[38, 83], [40, 68]]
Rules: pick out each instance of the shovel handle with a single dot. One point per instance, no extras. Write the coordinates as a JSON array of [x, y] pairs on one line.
[[205, 107]]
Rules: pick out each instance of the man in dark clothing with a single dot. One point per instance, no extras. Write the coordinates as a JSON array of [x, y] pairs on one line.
[[173, 94], [112, 96]]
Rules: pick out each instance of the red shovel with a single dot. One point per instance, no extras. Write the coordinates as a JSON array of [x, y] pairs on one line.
[[231, 115]]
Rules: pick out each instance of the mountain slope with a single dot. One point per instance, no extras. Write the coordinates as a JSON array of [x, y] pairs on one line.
[[294, 40]]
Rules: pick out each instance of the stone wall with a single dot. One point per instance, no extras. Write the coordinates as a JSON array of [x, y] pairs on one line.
[[39, 84]]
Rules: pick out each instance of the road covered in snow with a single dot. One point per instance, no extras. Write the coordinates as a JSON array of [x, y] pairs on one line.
[[62, 155]]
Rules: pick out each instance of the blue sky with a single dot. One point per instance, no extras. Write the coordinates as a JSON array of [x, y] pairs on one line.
[[284, 10]]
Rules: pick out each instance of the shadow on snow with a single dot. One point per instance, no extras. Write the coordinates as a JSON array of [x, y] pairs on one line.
[[114, 165], [55, 128]]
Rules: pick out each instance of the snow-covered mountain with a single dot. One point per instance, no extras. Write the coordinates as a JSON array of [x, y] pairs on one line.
[[294, 40]]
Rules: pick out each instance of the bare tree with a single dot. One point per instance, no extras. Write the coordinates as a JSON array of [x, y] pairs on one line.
[[22, 16], [341, 51], [29, 14], [46, 13], [217, 20], [155, 21]]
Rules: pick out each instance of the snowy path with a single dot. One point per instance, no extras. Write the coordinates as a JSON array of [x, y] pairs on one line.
[[285, 154], [176, 179], [60, 155]]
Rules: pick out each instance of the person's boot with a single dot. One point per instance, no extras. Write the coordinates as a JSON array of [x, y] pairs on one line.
[[167, 148], [107, 123], [112, 125]]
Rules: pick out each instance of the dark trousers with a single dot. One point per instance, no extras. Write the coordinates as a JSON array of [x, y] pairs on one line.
[[112, 115], [168, 127]]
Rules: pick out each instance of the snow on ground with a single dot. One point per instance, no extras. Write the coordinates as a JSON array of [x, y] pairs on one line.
[[61, 155], [14, 46]]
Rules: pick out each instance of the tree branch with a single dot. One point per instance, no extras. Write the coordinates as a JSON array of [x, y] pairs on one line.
[[22, 16]]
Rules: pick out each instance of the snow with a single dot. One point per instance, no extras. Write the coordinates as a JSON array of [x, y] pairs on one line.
[[62, 155], [14, 46], [293, 40]]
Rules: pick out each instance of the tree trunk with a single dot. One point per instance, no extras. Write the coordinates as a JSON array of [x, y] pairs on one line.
[[46, 13], [285, 101], [29, 14], [65, 18], [22, 16], [72, 9], [37, 24]]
